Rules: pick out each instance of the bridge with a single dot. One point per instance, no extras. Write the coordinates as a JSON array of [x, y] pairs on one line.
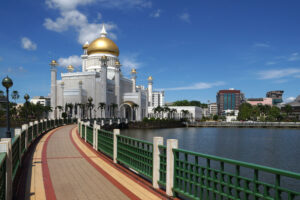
[[71, 159]]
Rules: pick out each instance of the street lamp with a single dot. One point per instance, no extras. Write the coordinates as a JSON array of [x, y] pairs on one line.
[[26, 97], [90, 99], [7, 83]]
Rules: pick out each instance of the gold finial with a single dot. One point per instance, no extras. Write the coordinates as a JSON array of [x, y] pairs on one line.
[[133, 71], [150, 78], [70, 68], [85, 46], [118, 64], [53, 63], [103, 57]]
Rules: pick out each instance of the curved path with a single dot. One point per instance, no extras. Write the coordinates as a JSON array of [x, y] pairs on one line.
[[62, 166]]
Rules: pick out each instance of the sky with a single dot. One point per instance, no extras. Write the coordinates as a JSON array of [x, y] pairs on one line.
[[191, 48]]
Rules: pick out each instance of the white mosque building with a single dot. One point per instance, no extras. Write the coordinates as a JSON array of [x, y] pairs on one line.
[[101, 80]]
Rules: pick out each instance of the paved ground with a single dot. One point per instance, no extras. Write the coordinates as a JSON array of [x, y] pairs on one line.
[[63, 167]]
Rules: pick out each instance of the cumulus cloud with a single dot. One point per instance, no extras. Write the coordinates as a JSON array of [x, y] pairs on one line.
[[264, 45], [197, 86], [130, 61], [289, 99], [185, 17], [279, 73], [71, 60], [27, 44], [156, 13]]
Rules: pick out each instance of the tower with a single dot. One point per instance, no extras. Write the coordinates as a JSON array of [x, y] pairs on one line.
[[53, 65], [150, 83], [84, 56], [103, 79], [117, 85], [133, 78]]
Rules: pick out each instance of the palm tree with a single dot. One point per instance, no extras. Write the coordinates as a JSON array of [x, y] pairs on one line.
[[167, 110], [113, 107], [185, 113], [90, 105], [172, 111], [101, 105], [47, 109], [15, 95]]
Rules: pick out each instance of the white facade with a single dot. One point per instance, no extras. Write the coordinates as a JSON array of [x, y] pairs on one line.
[[213, 109], [102, 80], [194, 113], [45, 101], [158, 98]]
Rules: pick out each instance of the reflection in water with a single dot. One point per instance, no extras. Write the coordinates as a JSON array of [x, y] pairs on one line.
[[278, 148]]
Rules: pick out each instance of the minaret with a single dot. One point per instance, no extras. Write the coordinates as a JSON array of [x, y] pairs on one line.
[[53, 65], [117, 84], [150, 83], [84, 56], [133, 78], [103, 79]]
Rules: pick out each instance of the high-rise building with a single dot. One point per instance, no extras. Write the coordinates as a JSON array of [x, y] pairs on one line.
[[229, 100], [276, 96], [158, 98]]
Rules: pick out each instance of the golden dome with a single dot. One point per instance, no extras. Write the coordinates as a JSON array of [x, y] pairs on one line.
[[150, 78], [103, 45], [70, 68], [133, 70], [85, 46], [53, 62]]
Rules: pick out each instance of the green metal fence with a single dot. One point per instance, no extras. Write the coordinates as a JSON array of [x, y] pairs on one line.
[[136, 154], [105, 142], [29, 134], [15, 156], [201, 176], [34, 131], [2, 175], [89, 135], [162, 165], [40, 128], [23, 141], [83, 131]]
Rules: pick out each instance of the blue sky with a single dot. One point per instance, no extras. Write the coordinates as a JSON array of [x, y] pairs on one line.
[[191, 48]]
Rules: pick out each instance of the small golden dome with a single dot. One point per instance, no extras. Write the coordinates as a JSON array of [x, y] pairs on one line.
[[70, 68], [133, 70], [118, 63], [53, 62], [85, 46], [103, 45], [150, 78]]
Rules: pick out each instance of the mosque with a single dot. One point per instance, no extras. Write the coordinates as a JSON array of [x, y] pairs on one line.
[[101, 82]]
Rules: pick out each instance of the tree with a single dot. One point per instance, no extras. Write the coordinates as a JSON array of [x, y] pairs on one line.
[[215, 117], [15, 95], [166, 109], [274, 113], [101, 105], [245, 111], [287, 109], [185, 113]]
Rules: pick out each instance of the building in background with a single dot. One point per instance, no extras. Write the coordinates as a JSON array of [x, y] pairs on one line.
[[229, 100], [295, 107], [190, 112], [276, 96], [155, 98], [213, 109], [260, 101], [45, 101]]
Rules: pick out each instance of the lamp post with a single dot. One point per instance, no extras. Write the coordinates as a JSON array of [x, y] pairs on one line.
[[26, 97], [7, 83], [90, 99]]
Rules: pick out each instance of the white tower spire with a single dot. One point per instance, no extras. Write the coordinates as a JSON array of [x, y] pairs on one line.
[[103, 31]]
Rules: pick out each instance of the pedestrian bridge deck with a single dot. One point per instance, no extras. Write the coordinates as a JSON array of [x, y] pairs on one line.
[[62, 166]]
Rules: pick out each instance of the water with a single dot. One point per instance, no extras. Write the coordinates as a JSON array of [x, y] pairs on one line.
[[278, 148]]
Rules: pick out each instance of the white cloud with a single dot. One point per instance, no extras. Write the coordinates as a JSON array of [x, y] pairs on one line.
[[279, 73], [197, 86], [156, 13], [289, 99], [67, 4], [71, 60], [14, 70], [27, 44], [265, 45], [185, 17], [128, 62], [294, 57]]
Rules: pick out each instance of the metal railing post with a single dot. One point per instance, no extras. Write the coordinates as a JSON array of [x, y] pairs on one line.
[[171, 144], [25, 128], [156, 160], [18, 132], [94, 134], [115, 153], [5, 146], [31, 124]]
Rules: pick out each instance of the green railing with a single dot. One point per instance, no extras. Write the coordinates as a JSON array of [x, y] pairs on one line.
[[201, 176], [136, 154], [29, 134], [15, 156], [40, 127], [105, 142], [34, 131], [162, 165], [23, 148], [89, 135], [2, 175], [83, 131], [44, 126]]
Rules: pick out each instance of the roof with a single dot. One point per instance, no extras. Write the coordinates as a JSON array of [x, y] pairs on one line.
[[296, 102]]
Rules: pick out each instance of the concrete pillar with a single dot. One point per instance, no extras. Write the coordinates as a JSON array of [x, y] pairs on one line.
[[171, 144], [115, 132], [53, 90], [96, 136], [95, 139], [37, 128], [25, 128], [42, 125], [102, 122], [5, 146], [31, 124], [81, 125], [110, 122], [156, 160], [86, 125], [18, 132]]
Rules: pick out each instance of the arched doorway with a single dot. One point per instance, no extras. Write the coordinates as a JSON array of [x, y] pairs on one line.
[[126, 110]]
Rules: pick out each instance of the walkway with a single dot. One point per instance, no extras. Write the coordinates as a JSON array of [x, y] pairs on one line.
[[62, 166]]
